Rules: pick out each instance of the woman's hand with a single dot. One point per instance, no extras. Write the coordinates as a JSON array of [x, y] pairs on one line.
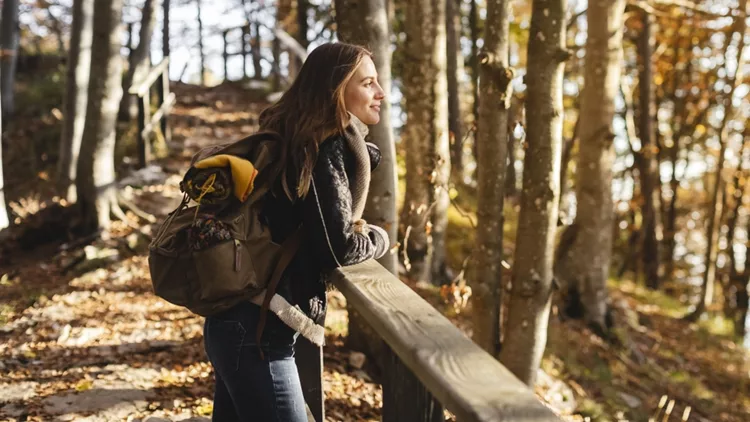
[[360, 226]]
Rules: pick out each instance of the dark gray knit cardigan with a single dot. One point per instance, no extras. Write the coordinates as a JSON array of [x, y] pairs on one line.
[[326, 217]]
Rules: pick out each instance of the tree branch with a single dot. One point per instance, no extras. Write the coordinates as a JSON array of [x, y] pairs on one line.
[[574, 19]]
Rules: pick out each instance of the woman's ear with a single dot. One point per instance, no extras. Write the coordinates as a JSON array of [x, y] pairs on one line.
[[375, 155]]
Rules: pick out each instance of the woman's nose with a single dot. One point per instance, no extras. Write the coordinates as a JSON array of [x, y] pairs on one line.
[[380, 94]]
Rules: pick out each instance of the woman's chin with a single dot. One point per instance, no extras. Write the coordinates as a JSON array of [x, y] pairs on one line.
[[369, 118], [372, 119]]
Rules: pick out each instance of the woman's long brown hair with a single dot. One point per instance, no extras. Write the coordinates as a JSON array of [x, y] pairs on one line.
[[311, 110]]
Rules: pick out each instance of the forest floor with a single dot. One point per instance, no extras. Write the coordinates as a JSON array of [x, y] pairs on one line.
[[82, 337]]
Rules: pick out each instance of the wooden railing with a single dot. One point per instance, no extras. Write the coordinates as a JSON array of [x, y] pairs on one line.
[[159, 74], [429, 364], [251, 47]]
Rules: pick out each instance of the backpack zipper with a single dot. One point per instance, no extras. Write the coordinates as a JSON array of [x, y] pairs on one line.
[[237, 246]]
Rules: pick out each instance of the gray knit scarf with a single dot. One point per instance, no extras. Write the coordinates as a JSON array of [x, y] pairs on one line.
[[355, 137]]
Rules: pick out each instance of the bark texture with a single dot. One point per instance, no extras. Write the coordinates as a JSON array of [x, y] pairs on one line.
[[531, 284], [76, 96], [583, 271], [428, 149], [9, 37], [303, 7], [96, 171], [647, 160], [165, 30], [201, 50], [473, 62], [455, 68], [492, 141]]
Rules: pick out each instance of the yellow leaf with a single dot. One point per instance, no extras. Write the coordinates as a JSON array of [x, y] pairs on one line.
[[84, 385], [205, 409]]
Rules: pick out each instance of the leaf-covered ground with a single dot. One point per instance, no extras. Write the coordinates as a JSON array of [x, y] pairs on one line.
[[83, 338]]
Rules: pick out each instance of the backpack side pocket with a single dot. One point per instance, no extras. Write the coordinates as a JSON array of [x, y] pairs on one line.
[[224, 270]]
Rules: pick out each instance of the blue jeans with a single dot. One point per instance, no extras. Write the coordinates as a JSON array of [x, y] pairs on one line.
[[248, 388]]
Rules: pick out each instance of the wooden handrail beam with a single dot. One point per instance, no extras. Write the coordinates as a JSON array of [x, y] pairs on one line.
[[165, 107], [141, 87], [459, 374], [292, 44]]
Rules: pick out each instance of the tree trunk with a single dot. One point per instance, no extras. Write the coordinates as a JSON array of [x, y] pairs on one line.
[[200, 43], [733, 279], [4, 222], [670, 222], [531, 286], [495, 93], [740, 316], [685, 127], [303, 6], [738, 189], [567, 153], [284, 13], [373, 32], [712, 230], [76, 96], [473, 61], [165, 32], [255, 49], [281, 9], [428, 150], [139, 62], [96, 170], [591, 251], [455, 74], [742, 298], [9, 37], [648, 165]]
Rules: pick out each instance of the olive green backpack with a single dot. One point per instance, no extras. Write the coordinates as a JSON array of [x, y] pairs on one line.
[[242, 261]]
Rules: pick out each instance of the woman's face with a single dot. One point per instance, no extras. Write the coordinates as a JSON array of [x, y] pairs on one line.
[[363, 94]]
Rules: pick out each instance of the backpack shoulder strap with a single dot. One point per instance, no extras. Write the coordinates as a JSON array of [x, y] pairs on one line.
[[288, 249]]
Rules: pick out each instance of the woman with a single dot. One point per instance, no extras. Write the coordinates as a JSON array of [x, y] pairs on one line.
[[325, 167]]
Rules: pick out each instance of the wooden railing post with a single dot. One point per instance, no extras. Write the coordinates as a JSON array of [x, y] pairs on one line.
[[144, 111], [162, 89], [146, 122], [256, 49], [226, 56], [309, 358], [276, 65], [404, 397], [245, 32], [131, 44]]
